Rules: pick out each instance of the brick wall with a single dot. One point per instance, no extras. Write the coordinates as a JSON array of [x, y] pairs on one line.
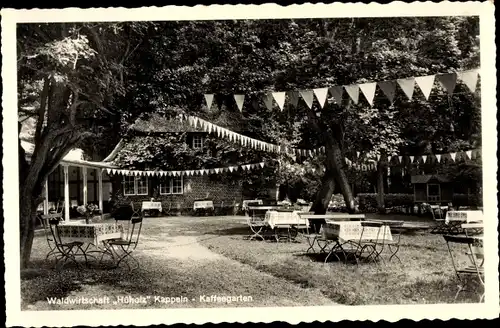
[[195, 187]]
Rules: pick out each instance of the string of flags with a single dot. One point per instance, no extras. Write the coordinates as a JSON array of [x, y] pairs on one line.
[[421, 159], [389, 88], [234, 168], [245, 141]]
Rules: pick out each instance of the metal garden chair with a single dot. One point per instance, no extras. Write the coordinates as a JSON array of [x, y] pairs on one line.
[[475, 255], [65, 250], [121, 249], [396, 230]]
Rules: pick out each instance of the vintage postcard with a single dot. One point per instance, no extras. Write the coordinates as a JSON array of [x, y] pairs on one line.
[[250, 163]]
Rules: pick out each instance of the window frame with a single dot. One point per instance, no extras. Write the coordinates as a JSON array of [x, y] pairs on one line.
[[170, 181], [136, 185], [201, 141], [435, 198]]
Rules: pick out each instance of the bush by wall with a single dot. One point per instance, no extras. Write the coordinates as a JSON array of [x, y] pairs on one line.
[[467, 200], [368, 201]]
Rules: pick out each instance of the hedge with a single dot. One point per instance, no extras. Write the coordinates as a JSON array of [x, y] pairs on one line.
[[368, 202], [467, 200]]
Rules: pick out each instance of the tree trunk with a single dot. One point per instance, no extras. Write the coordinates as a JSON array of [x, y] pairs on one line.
[[380, 187], [324, 194]]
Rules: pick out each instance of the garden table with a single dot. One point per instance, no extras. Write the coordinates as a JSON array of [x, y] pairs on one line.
[[148, 206], [289, 220], [454, 220], [353, 234], [91, 234]]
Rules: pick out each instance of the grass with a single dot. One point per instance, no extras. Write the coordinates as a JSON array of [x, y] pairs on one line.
[[195, 256]]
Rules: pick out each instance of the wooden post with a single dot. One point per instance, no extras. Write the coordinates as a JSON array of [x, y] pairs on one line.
[[66, 193], [46, 200], [99, 176], [84, 177]]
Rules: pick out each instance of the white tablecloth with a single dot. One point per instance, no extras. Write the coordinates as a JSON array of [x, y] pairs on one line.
[[93, 233], [246, 203], [274, 218], [199, 204], [151, 206], [351, 231], [464, 216]]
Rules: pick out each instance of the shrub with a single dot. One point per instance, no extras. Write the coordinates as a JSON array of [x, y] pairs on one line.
[[368, 201], [467, 200]]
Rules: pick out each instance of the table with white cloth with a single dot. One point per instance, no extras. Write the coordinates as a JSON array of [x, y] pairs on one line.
[[348, 236], [289, 221], [247, 202], [89, 235], [151, 206], [455, 219]]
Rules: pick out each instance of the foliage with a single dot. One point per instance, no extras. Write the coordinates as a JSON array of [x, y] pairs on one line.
[[368, 201]]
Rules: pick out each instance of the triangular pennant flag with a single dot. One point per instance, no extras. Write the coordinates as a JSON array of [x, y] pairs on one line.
[[268, 101], [389, 158], [308, 97], [279, 97], [453, 156], [209, 98], [424, 157], [448, 81], [261, 164], [353, 92], [425, 83], [336, 92], [114, 171], [389, 89], [407, 85], [231, 169], [469, 78], [411, 159], [294, 98], [321, 95], [368, 90], [217, 170], [469, 154], [438, 157], [239, 101], [400, 159]]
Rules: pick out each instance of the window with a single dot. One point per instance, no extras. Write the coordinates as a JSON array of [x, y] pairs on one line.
[[197, 142], [133, 185], [433, 192], [172, 185]]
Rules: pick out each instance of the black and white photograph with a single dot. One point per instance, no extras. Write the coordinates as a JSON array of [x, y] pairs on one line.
[[314, 163]]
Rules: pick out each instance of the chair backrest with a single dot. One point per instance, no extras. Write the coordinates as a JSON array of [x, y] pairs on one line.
[[135, 231], [54, 220]]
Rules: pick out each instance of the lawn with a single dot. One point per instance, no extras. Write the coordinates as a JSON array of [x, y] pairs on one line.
[[195, 256]]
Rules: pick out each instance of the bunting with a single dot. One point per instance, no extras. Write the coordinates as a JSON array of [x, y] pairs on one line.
[[294, 98], [438, 157], [336, 93], [268, 101], [368, 90], [448, 81], [321, 95], [407, 85], [389, 89], [469, 78], [279, 97], [239, 101], [353, 92], [425, 83], [209, 98], [453, 156], [469, 154], [424, 157], [189, 172], [308, 97]]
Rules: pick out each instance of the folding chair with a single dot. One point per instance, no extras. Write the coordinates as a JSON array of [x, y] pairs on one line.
[[44, 221], [316, 236], [440, 222], [475, 255], [65, 251], [121, 248], [257, 225], [396, 230], [374, 246]]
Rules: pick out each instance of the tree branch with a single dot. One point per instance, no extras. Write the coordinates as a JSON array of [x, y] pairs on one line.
[[44, 97]]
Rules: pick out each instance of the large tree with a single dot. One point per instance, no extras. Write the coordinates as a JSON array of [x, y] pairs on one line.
[[71, 78]]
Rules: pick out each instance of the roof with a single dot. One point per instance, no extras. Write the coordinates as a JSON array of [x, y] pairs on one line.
[[425, 178], [74, 157]]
